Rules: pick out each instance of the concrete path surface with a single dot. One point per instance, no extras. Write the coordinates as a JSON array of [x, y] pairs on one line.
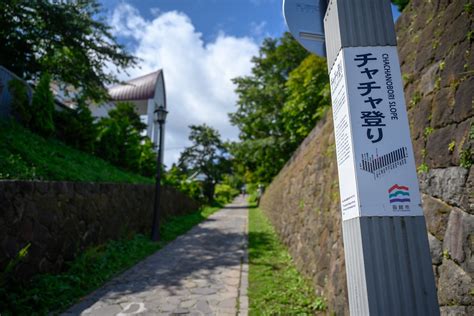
[[203, 272]]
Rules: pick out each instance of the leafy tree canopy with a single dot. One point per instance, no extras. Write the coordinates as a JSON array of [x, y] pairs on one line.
[[309, 95], [68, 39], [42, 107], [119, 141], [401, 4], [278, 106], [206, 155], [77, 127], [265, 145]]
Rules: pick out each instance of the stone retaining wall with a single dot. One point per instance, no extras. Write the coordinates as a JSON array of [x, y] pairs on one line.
[[60, 219], [303, 200]]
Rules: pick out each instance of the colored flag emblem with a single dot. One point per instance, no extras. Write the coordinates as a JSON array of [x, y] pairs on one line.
[[399, 194]]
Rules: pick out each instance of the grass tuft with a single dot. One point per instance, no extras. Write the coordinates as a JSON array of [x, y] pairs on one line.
[[275, 286]]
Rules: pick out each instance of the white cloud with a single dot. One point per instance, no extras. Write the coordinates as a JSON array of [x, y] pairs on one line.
[[197, 75], [258, 30]]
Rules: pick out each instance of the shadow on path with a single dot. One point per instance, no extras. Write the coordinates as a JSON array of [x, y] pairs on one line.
[[196, 263]]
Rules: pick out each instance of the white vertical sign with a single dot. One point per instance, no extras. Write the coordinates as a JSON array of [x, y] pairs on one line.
[[377, 174]]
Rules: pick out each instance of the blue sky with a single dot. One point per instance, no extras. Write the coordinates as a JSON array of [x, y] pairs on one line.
[[256, 18], [201, 45], [234, 17]]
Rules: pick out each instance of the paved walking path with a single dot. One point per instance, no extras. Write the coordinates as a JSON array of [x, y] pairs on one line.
[[203, 272]]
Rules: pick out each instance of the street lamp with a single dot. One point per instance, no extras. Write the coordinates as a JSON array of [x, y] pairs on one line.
[[160, 118]]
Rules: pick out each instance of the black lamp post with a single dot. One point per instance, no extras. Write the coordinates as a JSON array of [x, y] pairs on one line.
[[160, 118]]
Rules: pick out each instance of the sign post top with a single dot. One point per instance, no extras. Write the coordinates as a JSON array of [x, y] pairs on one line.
[[305, 20]]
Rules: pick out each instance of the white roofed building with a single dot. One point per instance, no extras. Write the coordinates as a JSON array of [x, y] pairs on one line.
[[147, 93]]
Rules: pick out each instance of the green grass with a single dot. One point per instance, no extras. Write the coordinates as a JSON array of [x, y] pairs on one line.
[[275, 286], [48, 293], [25, 155]]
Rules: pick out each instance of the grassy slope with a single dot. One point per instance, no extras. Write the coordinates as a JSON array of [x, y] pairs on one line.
[[54, 293], [25, 155], [275, 286]]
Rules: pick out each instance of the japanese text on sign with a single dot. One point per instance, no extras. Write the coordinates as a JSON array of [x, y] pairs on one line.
[[372, 119]]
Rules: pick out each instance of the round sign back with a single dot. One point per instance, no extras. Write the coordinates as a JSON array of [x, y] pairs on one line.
[[305, 20]]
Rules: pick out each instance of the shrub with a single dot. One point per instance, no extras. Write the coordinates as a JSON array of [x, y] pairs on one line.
[[77, 127], [109, 140], [42, 107], [179, 180], [224, 193], [192, 189], [20, 101], [147, 161], [119, 140]]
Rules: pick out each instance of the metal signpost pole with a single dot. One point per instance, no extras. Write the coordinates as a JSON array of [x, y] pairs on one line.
[[388, 261]]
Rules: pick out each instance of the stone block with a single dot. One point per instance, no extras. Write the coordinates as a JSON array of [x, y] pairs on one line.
[[424, 50], [41, 234], [46, 216], [42, 188], [454, 64], [10, 247], [59, 187], [456, 29], [25, 187], [454, 285], [428, 79], [453, 311], [436, 215], [26, 230], [436, 250], [442, 108], [464, 108], [438, 154], [19, 208], [8, 212], [458, 234], [469, 192], [418, 148], [446, 184], [419, 116], [462, 140]]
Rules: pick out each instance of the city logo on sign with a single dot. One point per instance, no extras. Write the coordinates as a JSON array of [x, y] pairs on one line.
[[399, 194]]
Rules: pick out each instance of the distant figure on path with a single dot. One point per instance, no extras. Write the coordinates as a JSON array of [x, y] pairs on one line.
[[244, 190], [259, 194]]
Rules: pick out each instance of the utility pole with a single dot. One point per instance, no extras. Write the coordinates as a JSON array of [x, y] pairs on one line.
[[388, 262]]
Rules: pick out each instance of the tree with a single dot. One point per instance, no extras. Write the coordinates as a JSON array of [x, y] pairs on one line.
[[120, 142], [309, 95], [179, 179], [265, 144], [125, 111], [68, 39], [77, 127], [401, 4], [206, 155], [147, 161], [42, 108], [21, 108]]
